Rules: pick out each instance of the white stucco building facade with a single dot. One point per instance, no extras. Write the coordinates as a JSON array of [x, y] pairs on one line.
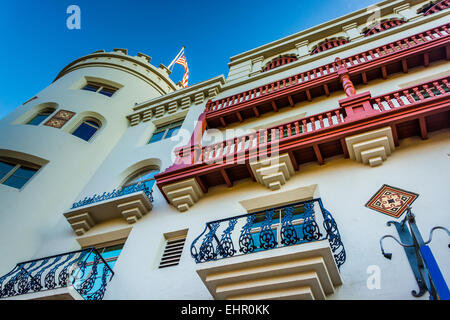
[[117, 157]]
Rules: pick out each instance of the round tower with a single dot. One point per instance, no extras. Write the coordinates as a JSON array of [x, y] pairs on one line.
[[51, 145]]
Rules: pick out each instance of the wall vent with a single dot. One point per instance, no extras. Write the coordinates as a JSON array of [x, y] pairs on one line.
[[172, 252]]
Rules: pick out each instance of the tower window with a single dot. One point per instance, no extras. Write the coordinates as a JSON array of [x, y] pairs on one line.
[[100, 88], [87, 129], [41, 116], [14, 173], [166, 132]]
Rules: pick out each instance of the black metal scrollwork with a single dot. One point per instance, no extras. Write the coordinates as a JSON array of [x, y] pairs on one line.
[[294, 227], [57, 272], [267, 237], [246, 242], [226, 246], [288, 233], [207, 252], [114, 194], [333, 237], [310, 227]]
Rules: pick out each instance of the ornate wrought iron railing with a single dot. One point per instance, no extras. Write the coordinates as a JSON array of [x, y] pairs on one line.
[[84, 270], [114, 194], [277, 227]]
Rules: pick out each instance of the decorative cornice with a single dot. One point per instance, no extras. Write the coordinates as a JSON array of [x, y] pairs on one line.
[[179, 100], [140, 60], [319, 32], [363, 41]]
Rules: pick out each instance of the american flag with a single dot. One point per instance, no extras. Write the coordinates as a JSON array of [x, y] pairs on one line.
[[182, 61]]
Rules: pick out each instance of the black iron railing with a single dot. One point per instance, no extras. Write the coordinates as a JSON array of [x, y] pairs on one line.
[[114, 194], [84, 270], [277, 227]]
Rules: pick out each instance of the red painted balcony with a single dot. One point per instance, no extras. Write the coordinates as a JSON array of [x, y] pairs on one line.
[[417, 50], [412, 111]]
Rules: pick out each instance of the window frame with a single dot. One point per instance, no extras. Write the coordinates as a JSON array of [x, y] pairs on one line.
[[100, 88], [86, 121], [127, 184], [166, 128], [45, 110], [17, 165], [101, 250]]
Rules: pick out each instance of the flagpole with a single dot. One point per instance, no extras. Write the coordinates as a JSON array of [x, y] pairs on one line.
[[175, 59]]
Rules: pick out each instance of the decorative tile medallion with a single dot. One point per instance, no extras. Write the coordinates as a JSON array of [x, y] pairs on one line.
[[391, 200], [60, 119]]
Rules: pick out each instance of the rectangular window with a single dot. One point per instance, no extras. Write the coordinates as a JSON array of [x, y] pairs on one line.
[[94, 267], [15, 174], [110, 254], [166, 131], [100, 88], [173, 250], [5, 168]]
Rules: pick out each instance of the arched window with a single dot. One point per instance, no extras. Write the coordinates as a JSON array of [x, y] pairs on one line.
[[329, 44], [41, 116], [144, 176], [87, 129], [15, 173], [382, 26], [277, 62]]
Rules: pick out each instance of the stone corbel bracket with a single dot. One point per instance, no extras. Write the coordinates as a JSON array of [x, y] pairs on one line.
[[182, 195], [274, 171], [371, 147], [131, 207], [176, 102]]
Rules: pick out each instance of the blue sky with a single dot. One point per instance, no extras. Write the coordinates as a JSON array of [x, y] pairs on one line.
[[36, 44]]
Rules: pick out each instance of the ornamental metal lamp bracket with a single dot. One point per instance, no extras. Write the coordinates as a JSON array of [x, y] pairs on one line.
[[424, 266]]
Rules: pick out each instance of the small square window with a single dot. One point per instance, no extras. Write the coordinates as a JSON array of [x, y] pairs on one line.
[[107, 92], [100, 88], [90, 87]]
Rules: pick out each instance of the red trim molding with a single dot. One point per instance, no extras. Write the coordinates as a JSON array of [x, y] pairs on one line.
[[430, 99], [378, 62]]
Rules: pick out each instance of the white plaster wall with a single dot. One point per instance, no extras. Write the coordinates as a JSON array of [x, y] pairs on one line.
[[34, 211], [32, 224], [345, 186]]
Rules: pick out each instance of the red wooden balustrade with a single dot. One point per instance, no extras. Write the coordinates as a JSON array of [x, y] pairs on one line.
[[330, 68], [441, 5], [412, 95], [252, 143]]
